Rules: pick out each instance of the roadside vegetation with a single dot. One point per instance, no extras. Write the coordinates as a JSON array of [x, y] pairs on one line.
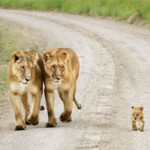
[[116, 8], [6, 48], [7, 45], [9, 42]]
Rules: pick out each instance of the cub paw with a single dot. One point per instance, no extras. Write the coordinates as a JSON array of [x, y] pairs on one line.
[[141, 130], [134, 129], [19, 127]]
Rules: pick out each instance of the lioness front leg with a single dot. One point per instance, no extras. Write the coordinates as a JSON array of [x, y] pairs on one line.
[[17, 111], [26, 106], [68, 103], [49, 95], [33, 118]]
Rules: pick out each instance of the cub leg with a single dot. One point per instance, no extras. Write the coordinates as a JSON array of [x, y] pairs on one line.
[[33, 118], [67, 98], [15, 100], [24, 99], [142, 125], [49, 95], [134, 127]]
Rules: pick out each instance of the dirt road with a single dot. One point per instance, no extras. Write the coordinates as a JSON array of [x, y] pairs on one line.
[[114, 75]]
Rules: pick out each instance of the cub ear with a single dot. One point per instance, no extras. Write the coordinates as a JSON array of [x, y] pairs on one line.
[[66, 56], [132, 107], [48, 55], [17, 56], [141, 108], [35, 58]]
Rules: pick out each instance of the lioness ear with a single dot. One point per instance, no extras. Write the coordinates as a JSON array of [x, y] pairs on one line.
[[17, 56], [66, 56], [35, 58], [141, 108], [46, 56]]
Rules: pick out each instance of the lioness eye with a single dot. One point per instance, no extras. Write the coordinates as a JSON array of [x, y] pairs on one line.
[[63, 68], [53, 66], [22, 67]]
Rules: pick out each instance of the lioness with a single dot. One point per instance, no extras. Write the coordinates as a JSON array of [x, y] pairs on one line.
[[61, 73], [25, 75], [137, 115]]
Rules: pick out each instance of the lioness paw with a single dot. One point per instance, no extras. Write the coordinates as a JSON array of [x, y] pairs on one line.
[[28, 123], [65, 117], [33, 120], [70, 119], [19, 127], [51, 124]]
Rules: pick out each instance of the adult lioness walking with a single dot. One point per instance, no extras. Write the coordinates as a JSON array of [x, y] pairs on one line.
[[25, 75], [61, 73]]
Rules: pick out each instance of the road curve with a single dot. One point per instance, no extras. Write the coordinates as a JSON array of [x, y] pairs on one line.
[[114, 75]]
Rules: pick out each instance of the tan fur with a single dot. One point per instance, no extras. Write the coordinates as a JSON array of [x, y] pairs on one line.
[[137, 116], [25, 75], [61, 73]]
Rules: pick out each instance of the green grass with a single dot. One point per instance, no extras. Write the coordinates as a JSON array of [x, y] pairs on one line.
[[8, 44], [6, 48], [3, 79], [3, 85], [35, 48], [116, 8]]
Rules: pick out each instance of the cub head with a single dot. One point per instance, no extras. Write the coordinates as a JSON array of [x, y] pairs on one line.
[[137, 113], [24, 63], [55, 63]]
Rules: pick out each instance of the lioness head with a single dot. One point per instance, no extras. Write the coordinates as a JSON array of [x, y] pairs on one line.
[[137, 113], [24, 63], [55, 63]]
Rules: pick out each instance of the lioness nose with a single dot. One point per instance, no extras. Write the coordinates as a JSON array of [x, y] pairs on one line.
[[57, 78], [27, 79]]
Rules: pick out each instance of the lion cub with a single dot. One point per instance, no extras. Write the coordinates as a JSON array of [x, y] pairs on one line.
[[138, 115]]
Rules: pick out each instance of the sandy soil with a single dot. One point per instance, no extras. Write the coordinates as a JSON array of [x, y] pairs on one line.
[[114, 75]]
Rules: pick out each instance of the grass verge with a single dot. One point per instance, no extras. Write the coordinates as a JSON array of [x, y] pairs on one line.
[[116, 8], [6, 48], [3, 85], [9, 42]]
